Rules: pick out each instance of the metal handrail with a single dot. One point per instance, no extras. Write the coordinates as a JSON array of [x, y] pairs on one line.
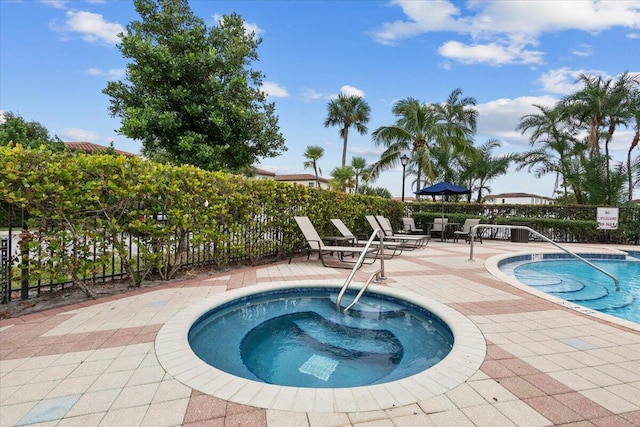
[[380, 271], [543, 237]]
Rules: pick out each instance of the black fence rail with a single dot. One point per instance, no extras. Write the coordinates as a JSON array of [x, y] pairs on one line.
[[29, 269]]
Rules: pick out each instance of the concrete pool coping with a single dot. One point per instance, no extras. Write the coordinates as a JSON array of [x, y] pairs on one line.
[[176, 357], [492, 265]]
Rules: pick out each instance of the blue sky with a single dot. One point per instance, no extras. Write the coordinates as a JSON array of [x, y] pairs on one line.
[[56, 56]]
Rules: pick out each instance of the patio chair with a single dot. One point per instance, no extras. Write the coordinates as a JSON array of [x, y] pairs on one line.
[[465, 231], [439, 227], [317, 245], [409, 226], [396, 246], [412, 241]]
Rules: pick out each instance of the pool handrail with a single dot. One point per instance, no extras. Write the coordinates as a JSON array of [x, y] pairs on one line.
[[377, 273], [543, 237]]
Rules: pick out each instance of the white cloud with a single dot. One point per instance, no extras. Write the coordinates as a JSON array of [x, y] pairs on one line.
[[350, 90], [491, 53], [562, 81], [111, 74], [501, 32], [58, 4], [499, 118], [582, 49], [76, 134], [2, 119], [272, 89], [633, 36], [312, 94], [93, 27]]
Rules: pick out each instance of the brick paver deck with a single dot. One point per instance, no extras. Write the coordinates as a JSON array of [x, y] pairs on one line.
[[95, 364]]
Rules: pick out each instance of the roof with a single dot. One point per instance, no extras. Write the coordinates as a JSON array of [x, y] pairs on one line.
[[259, 171], [90, 148], [513, 195], [300, 177]]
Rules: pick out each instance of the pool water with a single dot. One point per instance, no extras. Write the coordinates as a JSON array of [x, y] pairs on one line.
[[574, 281], [299, 339]]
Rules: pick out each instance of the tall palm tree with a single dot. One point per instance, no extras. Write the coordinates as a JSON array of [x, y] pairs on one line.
[[347, 111], [313, 153], [554, 130], [635, 111], [478, 172], [414, 131], [361, 172]]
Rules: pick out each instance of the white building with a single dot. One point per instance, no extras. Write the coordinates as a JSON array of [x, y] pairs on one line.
[[305, 179], [518, 199]]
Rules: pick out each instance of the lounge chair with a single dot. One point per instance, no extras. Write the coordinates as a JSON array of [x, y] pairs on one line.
[[409, 226], [317, 245], [439, 226], [412, 241], [466, 231], [397, 247]]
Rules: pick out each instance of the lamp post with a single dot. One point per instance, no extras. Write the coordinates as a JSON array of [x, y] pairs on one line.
[[404, 160]]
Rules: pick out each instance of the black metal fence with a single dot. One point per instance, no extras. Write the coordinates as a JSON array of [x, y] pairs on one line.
[[262, 240]]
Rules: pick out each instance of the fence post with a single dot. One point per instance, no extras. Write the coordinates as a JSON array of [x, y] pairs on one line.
[[25, 237]]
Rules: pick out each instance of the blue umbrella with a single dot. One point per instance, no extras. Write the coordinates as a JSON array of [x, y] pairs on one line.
[[442, 189]]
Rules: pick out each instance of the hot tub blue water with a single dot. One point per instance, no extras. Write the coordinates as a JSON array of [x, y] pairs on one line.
[[297, 338], [574, 281]]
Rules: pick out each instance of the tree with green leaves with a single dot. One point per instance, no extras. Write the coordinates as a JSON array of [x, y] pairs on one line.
[[360, 170], [478, 171], [190, 91], [313, 153], [413, 132], [555, 134], [16, 130], [342, 178], [347, 111]]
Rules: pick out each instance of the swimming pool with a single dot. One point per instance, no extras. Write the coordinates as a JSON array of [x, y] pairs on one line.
[[298, 338], [572, 280], [178, 359]]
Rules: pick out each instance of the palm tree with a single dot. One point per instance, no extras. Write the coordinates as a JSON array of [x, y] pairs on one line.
[[552, 128], [477, 173], [414, 132], [347, 111], [634, 103], [361, 172], [342, 178], [313, 153]]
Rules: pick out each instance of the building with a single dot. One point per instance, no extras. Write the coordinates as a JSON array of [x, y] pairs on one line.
[[518, 199], [91, 148], [263, 174], [305, 179]]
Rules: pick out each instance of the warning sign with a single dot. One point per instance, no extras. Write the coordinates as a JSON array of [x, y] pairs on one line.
[[607, 218]]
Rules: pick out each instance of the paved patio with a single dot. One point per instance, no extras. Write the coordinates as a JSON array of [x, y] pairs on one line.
[[95, 364]]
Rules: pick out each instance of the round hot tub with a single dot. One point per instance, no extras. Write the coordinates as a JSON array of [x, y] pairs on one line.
[[298, 338], [396, 348]]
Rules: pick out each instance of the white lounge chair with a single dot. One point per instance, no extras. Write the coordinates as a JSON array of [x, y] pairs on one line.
[[412, 241], [397, 247], [317, 245], [439, 226]]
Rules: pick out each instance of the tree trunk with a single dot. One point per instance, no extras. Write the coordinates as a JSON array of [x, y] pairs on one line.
[[344, 146], [634, 144]]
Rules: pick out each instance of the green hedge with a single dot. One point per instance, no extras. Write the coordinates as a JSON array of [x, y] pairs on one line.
[[79, 202]]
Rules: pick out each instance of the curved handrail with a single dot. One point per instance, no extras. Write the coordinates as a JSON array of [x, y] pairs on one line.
[[543, 237], [376, 232]]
